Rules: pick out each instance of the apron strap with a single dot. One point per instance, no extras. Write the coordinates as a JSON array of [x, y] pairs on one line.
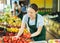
[[35, 21]]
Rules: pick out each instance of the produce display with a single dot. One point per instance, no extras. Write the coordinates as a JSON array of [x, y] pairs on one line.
[[24, 38], [12, 23], [53, 26], [7, 39]]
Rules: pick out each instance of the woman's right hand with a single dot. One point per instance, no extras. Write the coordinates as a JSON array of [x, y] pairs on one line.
[[15, 37]]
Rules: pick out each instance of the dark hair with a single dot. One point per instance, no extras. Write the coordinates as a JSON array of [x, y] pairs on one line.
[[34, 6], [15, 2]]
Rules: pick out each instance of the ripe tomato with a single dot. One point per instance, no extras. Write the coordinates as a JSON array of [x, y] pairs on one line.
[[18, 41], [5, 38], [27, 35], [11, 34], [5, 42], [0, 41], [25, 42], [14, 40], [9, 41], [21, 41]]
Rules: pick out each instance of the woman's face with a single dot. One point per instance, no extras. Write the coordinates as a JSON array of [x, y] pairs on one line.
[[15, 4], [31, 12]]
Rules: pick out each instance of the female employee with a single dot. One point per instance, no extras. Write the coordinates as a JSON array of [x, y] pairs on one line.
[[35, 23]]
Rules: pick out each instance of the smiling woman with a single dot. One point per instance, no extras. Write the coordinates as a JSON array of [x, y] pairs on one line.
[[35, 23]]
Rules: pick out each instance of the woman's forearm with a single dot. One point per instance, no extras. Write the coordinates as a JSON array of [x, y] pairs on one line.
[[20, 32], [35, 34]]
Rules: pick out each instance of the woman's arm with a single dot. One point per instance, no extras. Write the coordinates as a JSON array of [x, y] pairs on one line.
[[37, 32], [14, 12], [21, 30], [19, 8]]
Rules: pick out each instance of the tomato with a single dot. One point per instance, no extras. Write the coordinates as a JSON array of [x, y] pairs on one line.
[[10, 37], [25, 42], [9, 41], [5, 42], [20, 38], [14, 40], [11, 34], [27, 35], [5, 38], [18, 41], [0, 41], [21, 41]]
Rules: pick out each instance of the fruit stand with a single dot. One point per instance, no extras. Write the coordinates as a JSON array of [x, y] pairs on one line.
[[53, 26], [9, 27]]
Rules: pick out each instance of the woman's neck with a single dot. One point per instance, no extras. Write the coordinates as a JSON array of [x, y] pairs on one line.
[[33, 18]]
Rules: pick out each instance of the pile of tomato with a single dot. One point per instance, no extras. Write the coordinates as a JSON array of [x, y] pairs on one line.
[[7, 39], [24, 38]]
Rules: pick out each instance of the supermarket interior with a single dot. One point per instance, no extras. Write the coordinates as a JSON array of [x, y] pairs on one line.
[[12, 13]]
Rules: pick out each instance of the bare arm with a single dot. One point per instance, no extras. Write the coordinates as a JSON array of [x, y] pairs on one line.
[[21, 30], [19, 8], [14, 12], [37, 32]]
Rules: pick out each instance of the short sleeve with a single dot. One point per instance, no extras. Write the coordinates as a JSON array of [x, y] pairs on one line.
[[24, 20], [40, 21]]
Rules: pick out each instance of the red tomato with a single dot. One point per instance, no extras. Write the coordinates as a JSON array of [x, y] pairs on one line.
[[25, 42], [11, 34], [21, 41], [0, 41], [5, 42], [27, 35], [10, 38], [18, 41], [9, 41], [20, 38], [14, 40], [5, 38]]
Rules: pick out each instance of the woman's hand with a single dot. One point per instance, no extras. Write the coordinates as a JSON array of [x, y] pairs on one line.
[[15, 37]]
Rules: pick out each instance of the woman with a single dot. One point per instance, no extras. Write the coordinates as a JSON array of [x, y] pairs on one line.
[[17, 10], [35, 23]]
